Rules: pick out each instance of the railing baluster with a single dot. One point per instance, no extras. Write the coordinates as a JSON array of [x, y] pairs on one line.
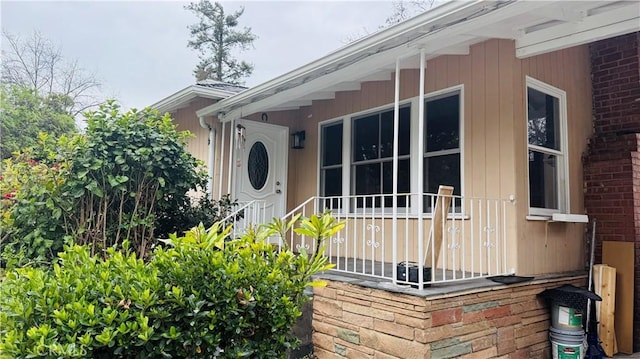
[[472, 227]]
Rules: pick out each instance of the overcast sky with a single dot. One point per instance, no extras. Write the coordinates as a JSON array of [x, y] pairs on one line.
[[137, 49]]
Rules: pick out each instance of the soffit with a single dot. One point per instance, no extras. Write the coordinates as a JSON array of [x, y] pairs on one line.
[[536, 26]]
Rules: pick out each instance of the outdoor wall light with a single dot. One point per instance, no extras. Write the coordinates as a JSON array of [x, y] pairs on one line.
[[298, 140]]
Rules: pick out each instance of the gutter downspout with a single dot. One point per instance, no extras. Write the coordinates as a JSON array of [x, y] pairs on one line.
[[211, 156]]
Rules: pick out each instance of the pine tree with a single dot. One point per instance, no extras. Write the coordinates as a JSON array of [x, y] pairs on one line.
[[215, 36]]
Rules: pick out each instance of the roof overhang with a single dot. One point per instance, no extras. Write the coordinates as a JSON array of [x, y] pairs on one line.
[[182, 98], [536, 26]]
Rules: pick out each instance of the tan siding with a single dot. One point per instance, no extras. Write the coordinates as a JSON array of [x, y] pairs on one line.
[[495, 141], [186, 120], [477, 150], [555, 247]]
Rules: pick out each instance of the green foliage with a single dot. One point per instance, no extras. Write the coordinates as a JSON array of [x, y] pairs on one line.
[[116, 182], [25, 113], [201, 295], [33, 206], [206, 211], [214, 37], [134, 169]]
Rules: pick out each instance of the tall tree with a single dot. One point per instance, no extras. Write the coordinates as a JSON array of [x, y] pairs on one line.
[[25, 113], [36, 64], [215, 37]]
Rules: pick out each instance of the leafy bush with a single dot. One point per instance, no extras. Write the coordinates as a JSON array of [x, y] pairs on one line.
[[201, 295], [33, 205], [128, 172], [134, 168], [205, 211]]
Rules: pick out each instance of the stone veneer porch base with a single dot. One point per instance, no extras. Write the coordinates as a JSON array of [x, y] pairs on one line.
[[492, 321]]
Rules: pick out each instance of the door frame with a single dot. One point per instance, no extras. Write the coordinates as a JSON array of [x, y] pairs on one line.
[[282, 137]]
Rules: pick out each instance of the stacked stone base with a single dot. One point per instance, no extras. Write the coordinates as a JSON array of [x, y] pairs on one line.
[[351, 321]]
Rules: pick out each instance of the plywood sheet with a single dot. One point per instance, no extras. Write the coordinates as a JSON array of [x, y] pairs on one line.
[[621, 255], [604, 280]]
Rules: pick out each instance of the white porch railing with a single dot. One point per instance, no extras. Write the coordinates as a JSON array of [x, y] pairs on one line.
[[470, 243], [247, 215]]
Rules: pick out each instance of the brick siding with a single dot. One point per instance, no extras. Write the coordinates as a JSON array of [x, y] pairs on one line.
[[506, 322], [612, 161]]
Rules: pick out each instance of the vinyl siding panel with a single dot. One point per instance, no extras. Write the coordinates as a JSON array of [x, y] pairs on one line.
[[495, 161]]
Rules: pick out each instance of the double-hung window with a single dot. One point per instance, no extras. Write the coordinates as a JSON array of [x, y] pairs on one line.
[[546, 123], [372, 157], [331, 162], [442, 143]]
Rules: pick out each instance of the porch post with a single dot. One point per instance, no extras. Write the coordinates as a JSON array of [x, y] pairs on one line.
[[221, 175], [232, 142], [421, 170], [396, 126]]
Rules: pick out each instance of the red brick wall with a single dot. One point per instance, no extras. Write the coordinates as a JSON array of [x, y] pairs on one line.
[[612, 163], [498, 322], [615, 67]]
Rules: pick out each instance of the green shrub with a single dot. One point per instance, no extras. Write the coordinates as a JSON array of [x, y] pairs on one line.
[[117, 182], [199, 296], [134, 168], [34, 205]]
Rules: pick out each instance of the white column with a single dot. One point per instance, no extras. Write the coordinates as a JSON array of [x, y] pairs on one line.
[[420, 175], [221, 176], [211, 162], [396, 126], [232, 142]]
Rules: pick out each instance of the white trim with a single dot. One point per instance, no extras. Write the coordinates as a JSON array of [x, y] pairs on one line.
[[182, 98], [221, 174], [449, 28], [569, 218], [563, 174], [414, 156], [592, 28], [369, 46], [446, 92], [232, 144]]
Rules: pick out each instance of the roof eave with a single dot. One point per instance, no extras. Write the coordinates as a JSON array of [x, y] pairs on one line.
[[359, 46], [182, 98]]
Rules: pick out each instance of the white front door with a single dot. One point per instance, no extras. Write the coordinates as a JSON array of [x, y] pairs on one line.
[[261, 167]]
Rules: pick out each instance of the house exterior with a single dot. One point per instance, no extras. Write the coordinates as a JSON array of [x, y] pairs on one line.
[[183, 104], [496, 102]]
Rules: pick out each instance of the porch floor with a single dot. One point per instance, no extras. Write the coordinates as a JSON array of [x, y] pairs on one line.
[[384, 270], [384, 273]]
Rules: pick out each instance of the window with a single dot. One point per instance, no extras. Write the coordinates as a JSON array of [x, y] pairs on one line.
[[331, 162], [372, 156], [546, 121], [442, 143]]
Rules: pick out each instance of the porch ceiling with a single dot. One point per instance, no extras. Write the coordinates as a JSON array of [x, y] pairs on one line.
[[536, 26]]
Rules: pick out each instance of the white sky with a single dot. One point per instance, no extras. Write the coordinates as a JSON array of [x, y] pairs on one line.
[[137, 49]]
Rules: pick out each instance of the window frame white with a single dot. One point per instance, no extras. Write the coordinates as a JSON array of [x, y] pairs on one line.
[[451, 91], [562, 180], [321, 166], [414, 157]]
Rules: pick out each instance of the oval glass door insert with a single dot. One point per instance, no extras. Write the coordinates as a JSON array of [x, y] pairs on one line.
[[258, 165]]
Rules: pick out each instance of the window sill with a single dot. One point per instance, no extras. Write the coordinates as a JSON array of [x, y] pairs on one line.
[[561, 217]]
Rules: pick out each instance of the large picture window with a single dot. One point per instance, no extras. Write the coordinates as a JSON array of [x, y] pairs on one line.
[[372, 156], [546, 120], [442, 143], [356, 154]]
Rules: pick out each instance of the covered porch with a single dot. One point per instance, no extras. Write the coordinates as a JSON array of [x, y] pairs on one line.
[[375, 160]]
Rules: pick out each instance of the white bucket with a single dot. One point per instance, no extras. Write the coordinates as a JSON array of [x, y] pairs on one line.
[[567, 344], [566, 318]]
